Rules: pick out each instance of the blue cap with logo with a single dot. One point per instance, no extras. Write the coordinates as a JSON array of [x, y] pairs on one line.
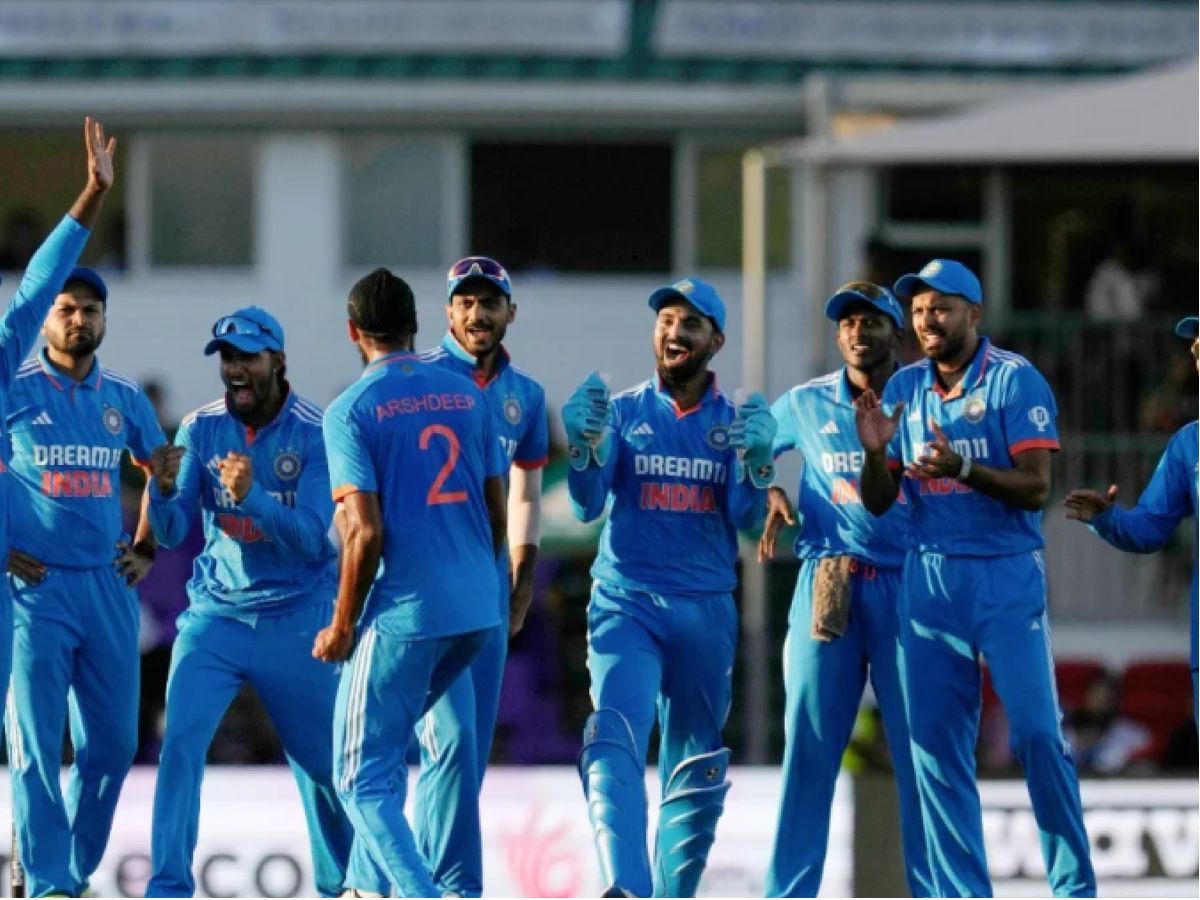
[[250, 329], [484, 268], [92, 279], [946, 275], [864, 292], [1188, 327], [699, 294]]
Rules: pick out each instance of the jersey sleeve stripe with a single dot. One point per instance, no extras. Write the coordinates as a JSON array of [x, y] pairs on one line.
[[1033, 444], [309, 407], [120, 379], [528, 464], [306, 417]]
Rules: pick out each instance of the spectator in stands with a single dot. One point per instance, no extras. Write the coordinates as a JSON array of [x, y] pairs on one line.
[[1124, 285], [1105, 742]]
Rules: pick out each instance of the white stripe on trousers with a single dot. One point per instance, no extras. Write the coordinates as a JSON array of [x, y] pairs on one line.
[[356, 709], [16, 743]]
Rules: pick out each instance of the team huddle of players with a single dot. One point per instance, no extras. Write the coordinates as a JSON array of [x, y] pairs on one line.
[[919, 503]]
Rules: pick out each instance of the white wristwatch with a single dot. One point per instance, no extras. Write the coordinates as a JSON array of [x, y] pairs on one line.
[[964, 470]]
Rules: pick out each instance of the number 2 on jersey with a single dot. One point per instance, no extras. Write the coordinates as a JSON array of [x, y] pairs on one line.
[[436, 495]]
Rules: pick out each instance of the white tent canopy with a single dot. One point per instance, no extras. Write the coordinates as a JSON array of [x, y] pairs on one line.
[[1148, 117]]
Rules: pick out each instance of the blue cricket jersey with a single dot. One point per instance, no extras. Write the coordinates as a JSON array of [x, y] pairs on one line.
[[1168, 499], [67, 440], [1002, 407], [421, 438], [817, 418], [675, 502], [271, 552], [517, 403], [19, 327]]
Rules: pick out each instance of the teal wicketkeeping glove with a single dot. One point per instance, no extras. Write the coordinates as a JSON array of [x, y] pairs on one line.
[[586, 416], [752, 434]]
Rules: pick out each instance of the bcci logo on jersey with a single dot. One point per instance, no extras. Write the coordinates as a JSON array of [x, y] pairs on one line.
[[512, 410], [718, 437], [113, 420], [974, 409], [287, 465]]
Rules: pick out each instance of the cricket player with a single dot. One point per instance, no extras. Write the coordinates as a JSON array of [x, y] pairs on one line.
[[252, 464], [456, 733], [681, 471], [844, 619], [70, 419], [419, 472], [1169, 498], [19, 326], [968, 442]]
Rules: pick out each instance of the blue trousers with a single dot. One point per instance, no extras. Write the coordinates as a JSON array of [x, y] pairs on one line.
[[456, 741], [824, 683], [212, 658], [75, 657], [670, 658], [455, 745], [387, 686], [953, 610]]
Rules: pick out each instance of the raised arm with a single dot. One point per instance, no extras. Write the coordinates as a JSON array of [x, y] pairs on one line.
[[57, 256], [752, 434], [592, 447]]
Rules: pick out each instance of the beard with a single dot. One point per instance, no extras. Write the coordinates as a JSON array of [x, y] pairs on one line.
[[483, 343], [78, 344], [952, 346], [251, 398], [680, 374]]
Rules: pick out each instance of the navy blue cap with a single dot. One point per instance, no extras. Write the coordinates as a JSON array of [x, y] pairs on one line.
[[1188, 327], [484, 268], [879, 298], [946, 275], [91, 278], [700, 294], [250, 329]]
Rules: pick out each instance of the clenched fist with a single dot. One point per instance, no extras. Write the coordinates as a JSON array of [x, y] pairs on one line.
[[164, 464], [237, 474]]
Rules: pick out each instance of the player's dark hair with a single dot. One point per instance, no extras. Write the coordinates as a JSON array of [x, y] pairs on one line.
[[382, 306]]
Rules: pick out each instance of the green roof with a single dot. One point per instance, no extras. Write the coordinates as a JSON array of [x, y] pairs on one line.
[[451, 68]]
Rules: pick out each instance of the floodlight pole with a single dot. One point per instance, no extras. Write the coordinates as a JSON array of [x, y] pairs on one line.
[[756, 703]]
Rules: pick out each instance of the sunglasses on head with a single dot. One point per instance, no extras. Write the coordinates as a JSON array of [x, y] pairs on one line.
[[871, 291], [477, 265], [239, 325]]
